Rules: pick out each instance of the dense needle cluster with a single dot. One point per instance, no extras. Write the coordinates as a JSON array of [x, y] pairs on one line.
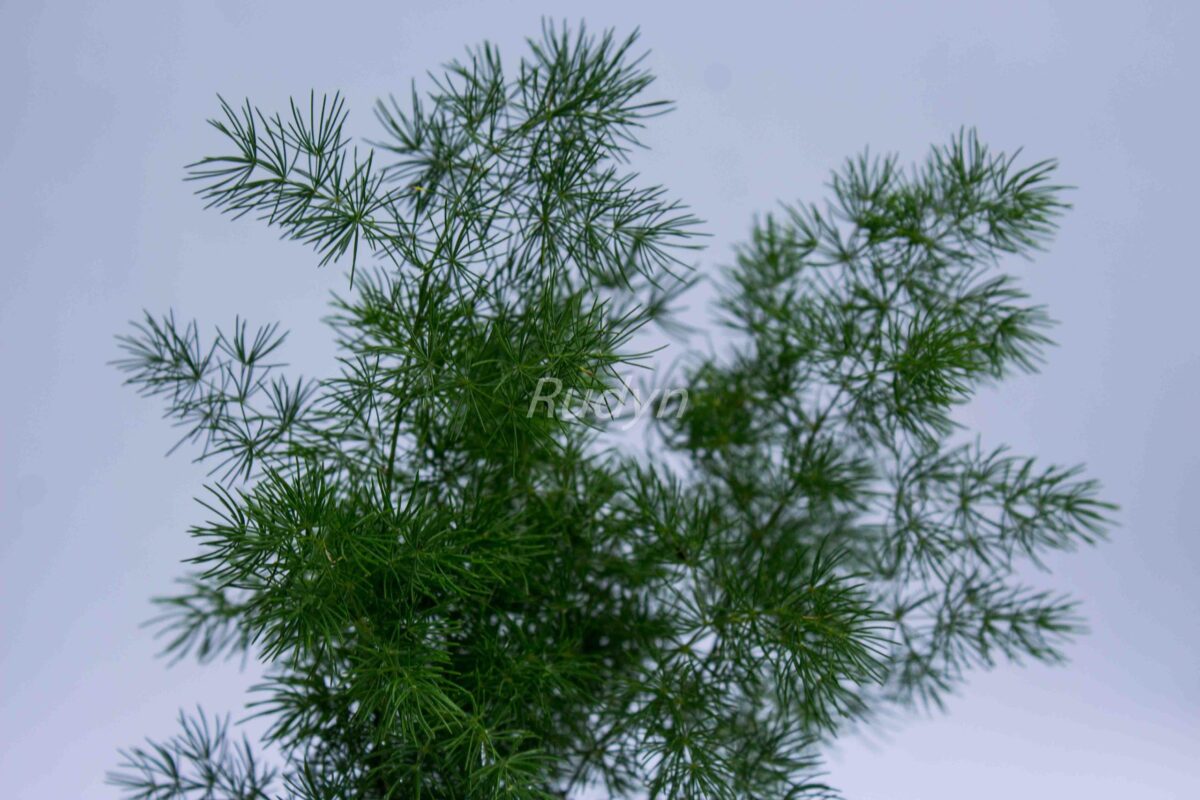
[[457, 598]]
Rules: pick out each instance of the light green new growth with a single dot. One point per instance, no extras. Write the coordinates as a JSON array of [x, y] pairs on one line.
[[456, 598]]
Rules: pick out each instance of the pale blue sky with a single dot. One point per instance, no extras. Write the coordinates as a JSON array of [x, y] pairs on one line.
[[104, 103]]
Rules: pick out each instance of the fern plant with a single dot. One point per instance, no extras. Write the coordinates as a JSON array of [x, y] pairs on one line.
[[460, 590]]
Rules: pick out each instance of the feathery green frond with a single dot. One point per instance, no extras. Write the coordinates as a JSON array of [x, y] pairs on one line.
[[460, 586]]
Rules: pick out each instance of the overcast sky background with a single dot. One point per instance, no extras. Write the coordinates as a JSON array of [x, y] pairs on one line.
[[104, 103]]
